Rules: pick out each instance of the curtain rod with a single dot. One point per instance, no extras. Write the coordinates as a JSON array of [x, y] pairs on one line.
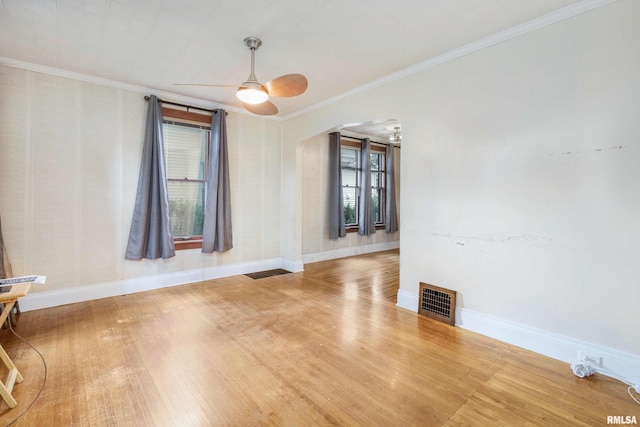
[[372, 141], [147, 97]]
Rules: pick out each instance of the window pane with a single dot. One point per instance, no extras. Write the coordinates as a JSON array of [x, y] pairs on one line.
[[376, 195], [376, 179], [375, 162], [350, 202], [349, 178], [185, 151], [186, 205], [349, 158]]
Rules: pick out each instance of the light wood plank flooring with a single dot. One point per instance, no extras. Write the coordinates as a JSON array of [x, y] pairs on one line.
[[323, 347]]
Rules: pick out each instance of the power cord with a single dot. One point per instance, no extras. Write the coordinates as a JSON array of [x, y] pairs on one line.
[[583, 370], [45, 374], [637, 389]]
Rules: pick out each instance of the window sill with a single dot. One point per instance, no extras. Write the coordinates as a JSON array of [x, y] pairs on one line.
[[354, 229], [181, 244]]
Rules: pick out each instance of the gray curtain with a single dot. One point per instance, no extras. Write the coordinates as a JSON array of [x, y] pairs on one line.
[[366, 217], [391, 212], [336, 202], [216, 233], [150, 235]]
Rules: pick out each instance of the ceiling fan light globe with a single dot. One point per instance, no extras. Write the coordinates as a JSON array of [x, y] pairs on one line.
[[252, 93]]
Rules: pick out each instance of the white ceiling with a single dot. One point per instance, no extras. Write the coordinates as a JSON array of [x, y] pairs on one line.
[[339, 45]]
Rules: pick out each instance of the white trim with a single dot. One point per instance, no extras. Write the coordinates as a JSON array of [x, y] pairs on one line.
[[526, 27], [407, 300], [167, 96], [350, 251], [509, 33], [560, 347], [293, 266], [54, 298]]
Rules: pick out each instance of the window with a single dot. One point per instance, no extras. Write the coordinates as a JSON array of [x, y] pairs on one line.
[[350, 164], [186, 147], [377, 185], [351, 181]]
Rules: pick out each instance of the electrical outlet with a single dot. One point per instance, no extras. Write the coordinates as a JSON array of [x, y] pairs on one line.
[[596, 361], [591, 359]]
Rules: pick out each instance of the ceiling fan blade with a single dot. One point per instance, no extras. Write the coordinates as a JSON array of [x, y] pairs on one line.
[[203, 84], [265, 109], [287, 85]]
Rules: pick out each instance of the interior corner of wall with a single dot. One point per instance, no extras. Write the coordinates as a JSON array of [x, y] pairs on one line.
[[407, 300]]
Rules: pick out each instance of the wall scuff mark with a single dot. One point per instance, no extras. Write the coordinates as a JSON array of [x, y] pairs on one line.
[[527, 238], [600, 150]]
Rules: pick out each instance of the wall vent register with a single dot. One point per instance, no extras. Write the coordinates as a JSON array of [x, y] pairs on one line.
[[437, 303]]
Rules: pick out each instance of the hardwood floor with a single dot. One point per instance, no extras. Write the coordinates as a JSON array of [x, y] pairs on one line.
[[324, 347]]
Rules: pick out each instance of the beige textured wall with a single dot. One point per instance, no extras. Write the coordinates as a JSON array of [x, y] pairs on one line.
[[69, 158]]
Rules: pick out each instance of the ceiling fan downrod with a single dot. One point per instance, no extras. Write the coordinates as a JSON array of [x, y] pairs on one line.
[[253, 43], [252, 92]]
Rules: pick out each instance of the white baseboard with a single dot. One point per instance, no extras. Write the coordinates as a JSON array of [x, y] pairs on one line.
[[407, 300], [292, 266], [618, 364], [351, 251], [54, 298]]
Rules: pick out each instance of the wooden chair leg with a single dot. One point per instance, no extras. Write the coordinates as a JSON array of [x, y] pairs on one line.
[[13, 377]]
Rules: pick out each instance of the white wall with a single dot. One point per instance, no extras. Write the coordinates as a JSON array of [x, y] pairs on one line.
[[519, 176], [523, 177], [69, 159], [316, 244]]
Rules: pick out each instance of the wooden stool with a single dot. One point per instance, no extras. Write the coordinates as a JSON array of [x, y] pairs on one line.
[[9, 299], [13, 377]]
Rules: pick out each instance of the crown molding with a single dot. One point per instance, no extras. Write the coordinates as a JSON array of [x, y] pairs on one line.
[[168, 96], [501, 36], [493, 39]]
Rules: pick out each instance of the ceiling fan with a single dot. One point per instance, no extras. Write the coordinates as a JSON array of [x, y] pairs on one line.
[[255, 95]]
